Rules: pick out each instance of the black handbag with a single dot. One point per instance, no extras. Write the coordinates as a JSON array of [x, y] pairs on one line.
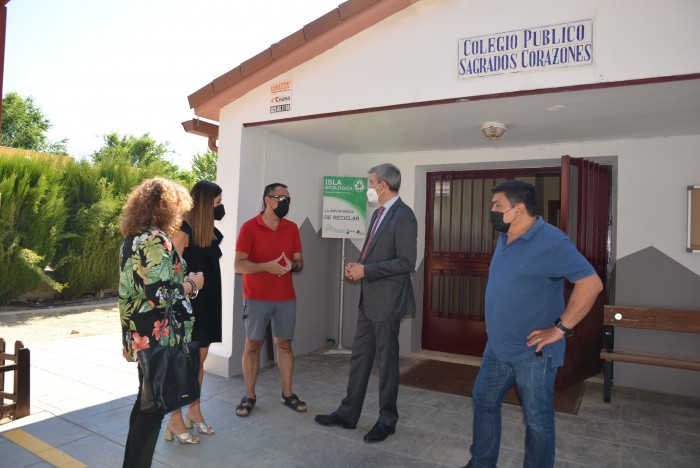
[[169, 372]]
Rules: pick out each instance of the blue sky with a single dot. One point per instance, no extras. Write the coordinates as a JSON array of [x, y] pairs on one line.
[[100, 66]]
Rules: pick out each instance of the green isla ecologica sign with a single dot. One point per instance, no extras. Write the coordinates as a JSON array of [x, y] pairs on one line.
[[344, 207]]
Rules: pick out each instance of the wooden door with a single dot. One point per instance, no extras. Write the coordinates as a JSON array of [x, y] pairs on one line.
[[460, 243], [459, 246], [585, 217]]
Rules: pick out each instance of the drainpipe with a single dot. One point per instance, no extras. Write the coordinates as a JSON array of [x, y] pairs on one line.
[[3, 28], [212, 144], [205, 129]]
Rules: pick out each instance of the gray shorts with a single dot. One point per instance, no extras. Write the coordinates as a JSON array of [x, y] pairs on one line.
[[257, 314]]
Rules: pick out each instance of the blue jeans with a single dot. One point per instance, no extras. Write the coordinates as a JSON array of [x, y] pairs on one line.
[[534, 378]]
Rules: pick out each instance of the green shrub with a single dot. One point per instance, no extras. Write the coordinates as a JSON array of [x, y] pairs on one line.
[[120, 175], [91, 261], [32, 217], [87, 255], [59, 213]]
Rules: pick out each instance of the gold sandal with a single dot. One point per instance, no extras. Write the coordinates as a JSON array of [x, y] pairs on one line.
[[202, 428], [184, 438]]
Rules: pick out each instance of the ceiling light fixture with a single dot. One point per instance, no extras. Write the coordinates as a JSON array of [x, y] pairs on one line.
[[556, 107], [493, 130]]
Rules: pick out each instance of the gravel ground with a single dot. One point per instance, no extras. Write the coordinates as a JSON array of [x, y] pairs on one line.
[[58, 321]]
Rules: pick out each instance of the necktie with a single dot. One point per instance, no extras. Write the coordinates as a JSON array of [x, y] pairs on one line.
[[371, 234]]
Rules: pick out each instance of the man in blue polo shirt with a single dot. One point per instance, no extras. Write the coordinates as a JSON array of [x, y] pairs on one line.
[[526, 321]]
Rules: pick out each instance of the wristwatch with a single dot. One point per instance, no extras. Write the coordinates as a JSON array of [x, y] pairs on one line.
[[567, 331]]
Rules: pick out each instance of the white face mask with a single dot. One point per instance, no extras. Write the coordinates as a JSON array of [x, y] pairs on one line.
[[372, 195]]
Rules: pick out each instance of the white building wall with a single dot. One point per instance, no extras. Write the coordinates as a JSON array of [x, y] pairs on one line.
[[412, 56], [653, 175], [650, 210], [264, 158], [653, 199], [650, 193], [223, 356]]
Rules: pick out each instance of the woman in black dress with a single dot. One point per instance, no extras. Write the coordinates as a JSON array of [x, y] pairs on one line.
[[199, 240]]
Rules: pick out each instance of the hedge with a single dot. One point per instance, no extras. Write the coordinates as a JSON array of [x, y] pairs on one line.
[[60, 216], [32, 219]]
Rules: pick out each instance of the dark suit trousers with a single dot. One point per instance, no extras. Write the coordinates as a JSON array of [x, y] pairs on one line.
[[380, 339]]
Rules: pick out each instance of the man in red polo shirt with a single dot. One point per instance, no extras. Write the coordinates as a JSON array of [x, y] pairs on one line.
[[268, 251]]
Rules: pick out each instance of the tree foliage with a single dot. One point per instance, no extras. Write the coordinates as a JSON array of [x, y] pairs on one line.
[[141, 152], [204, 165], [24, 126]]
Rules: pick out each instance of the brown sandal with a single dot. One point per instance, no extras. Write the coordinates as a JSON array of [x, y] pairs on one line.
[[294, 403], [246, 406]]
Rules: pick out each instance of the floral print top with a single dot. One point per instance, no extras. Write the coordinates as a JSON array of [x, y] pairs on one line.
[[151, 270]]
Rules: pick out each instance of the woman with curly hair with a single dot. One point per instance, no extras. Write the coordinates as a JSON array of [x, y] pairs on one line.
[[198, 242], [151, 272]]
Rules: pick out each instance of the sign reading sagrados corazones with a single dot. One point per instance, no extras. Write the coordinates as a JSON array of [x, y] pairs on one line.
[[540, 48], [344, 207]]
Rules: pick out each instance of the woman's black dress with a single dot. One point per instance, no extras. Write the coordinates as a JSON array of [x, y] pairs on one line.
[[207, 305]]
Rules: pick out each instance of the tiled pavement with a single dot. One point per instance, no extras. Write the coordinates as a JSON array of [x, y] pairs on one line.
[[82, 393]]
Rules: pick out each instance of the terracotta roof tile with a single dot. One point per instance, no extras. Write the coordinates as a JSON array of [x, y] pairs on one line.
[[229, 78], [204, 93], [287, 44], [320, 25], [351, 7], [350, 18], [254, 64]]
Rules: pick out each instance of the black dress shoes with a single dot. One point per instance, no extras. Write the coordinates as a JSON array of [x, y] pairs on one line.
[[379, 432], [333, 419]]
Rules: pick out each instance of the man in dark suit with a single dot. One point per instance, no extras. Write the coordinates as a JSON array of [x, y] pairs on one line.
[[388, 258]]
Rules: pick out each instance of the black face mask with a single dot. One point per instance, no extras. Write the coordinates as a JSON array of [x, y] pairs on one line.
[[282, 209], [497, 222], [219, 212]]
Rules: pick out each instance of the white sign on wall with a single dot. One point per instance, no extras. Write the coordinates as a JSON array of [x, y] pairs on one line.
[[281, 97], [562, 45]]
